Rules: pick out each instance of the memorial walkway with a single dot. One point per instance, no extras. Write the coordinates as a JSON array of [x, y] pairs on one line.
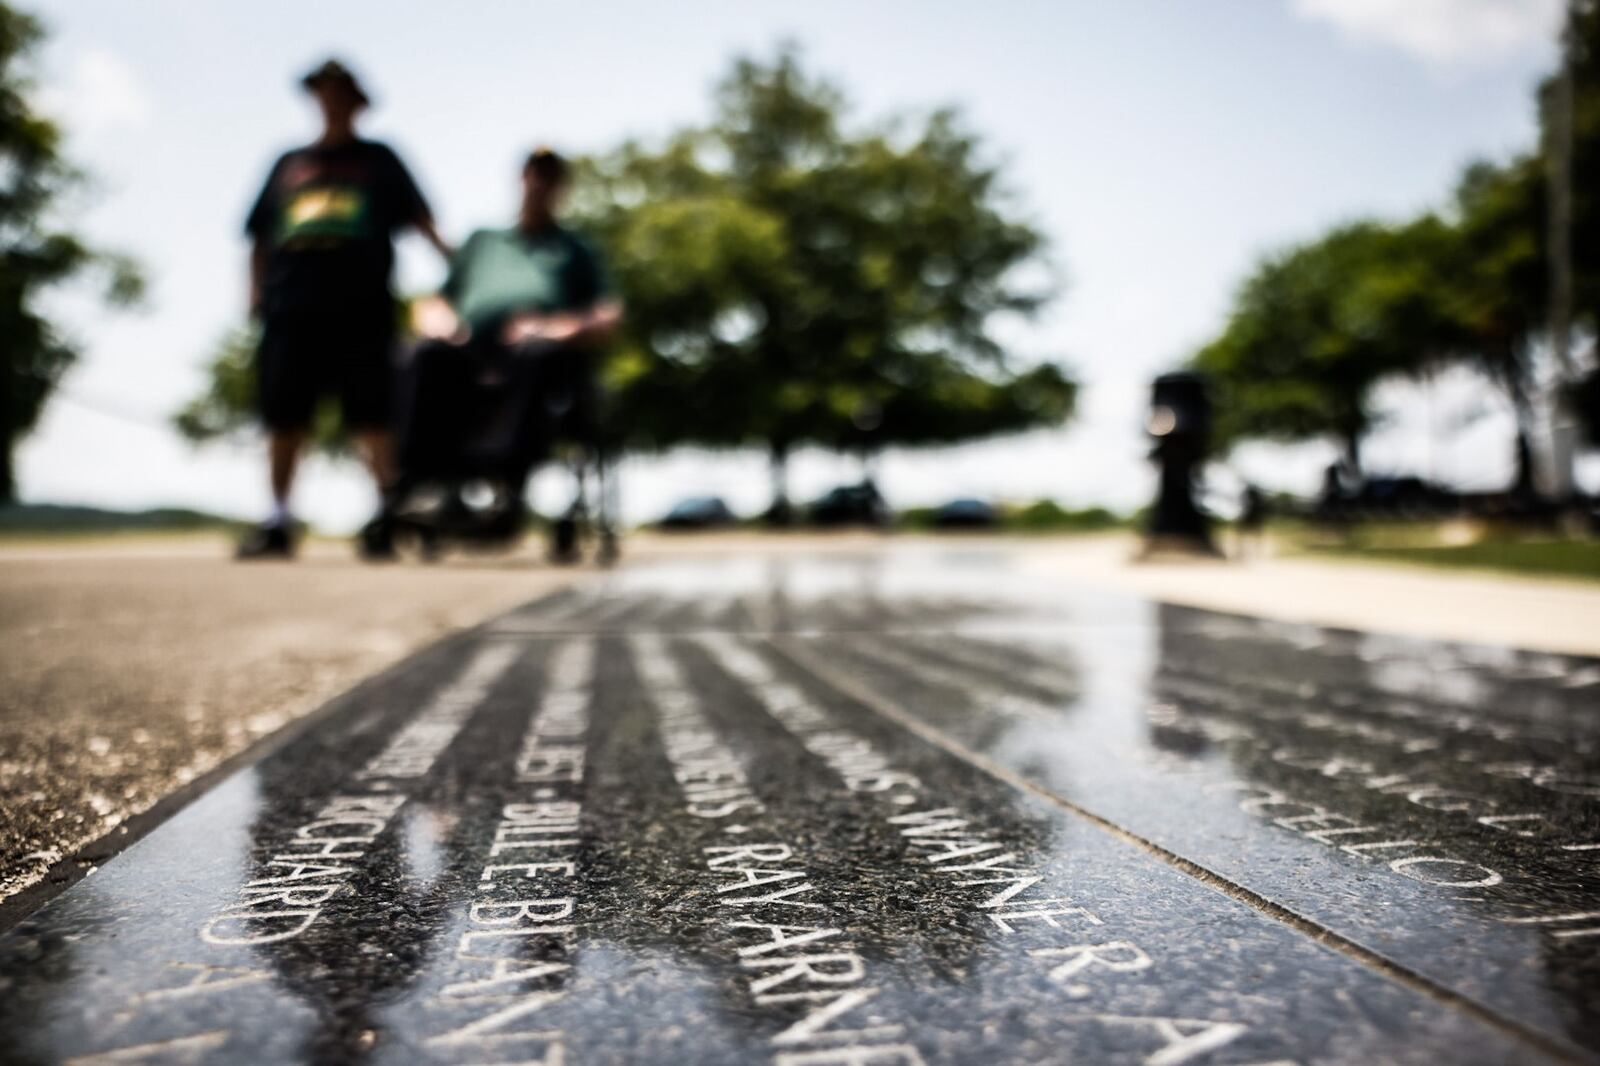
[[866, 809]]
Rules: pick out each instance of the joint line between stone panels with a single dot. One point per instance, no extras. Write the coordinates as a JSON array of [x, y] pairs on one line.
[[1328, 938], [504, 631]]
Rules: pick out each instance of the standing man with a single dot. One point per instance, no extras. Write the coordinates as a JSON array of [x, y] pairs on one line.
[[323, 231]]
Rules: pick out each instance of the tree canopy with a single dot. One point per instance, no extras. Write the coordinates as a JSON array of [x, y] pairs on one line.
[[791, 280], [1314, 328], [36, 253]]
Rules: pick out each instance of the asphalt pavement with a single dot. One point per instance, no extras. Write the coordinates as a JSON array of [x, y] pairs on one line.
[[132, 668]]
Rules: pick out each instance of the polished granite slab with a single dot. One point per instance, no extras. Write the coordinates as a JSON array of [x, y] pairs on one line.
[[875, 809]]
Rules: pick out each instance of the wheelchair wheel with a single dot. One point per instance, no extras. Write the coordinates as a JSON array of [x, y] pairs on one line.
[[564, 548], [429, 545]]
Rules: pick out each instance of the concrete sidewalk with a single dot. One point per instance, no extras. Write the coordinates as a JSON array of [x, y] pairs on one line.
[[1534, 613], [133, 666]]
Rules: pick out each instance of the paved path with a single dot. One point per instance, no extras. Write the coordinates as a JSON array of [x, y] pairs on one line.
[[863, 808], [1548, 614], [132, 668], [1540, 613]]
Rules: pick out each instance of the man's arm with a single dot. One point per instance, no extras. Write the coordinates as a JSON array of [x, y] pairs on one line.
[[258, 274], [604, 313], [414, 205], [600, 322], [258, 226], [425, 226]]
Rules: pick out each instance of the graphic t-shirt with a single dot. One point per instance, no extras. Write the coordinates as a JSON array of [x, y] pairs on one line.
[[328, 216], [500, 272]]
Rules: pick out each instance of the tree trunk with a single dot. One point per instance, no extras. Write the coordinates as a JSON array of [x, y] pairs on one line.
[[780, 513], [8, 428], [868, 459], [1352, 453], [8, 481], [1523, 485], [1558, 162]]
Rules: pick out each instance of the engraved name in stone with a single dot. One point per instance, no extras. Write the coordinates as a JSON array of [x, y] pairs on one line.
[[1211, 714], [862, 767], [1204, 680], [553, 750], [1082, 959], [1418, 859], [790, 956], [510, 959], [314, 862], [309, 866]]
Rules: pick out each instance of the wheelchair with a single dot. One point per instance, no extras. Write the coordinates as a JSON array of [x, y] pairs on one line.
[[475, 422]]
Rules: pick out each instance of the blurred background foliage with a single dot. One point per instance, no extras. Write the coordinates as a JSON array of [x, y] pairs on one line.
[[1316, 326], [38, 250], [792, 280]]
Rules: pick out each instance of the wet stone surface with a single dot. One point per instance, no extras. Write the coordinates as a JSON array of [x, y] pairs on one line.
[[866, 811]]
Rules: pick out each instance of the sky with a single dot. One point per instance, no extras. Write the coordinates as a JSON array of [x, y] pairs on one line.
[[1161, 145]]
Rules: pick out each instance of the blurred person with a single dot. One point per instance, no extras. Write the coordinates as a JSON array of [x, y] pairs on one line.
[[531, 301], [534, 280], [323, 229], [1252, 522]]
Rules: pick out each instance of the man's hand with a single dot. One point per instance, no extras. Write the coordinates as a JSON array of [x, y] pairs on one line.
[[592, 326], [559, 329], [433, 318]]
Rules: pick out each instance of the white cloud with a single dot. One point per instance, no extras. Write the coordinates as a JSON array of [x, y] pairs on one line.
[[98, 92], [1442, 32]]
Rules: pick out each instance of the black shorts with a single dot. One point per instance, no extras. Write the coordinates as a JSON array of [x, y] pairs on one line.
[[307, 355]]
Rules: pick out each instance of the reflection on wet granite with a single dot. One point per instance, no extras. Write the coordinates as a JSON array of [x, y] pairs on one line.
[[775, 810]]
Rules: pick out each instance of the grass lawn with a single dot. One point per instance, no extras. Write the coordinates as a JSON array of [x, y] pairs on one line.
[[48, 521], [1557, 558]]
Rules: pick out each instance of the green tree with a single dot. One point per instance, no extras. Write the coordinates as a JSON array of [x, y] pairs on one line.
[[1569, 112], [35, 253], [1584, 55], [1315, 328], [791, 280], [1494, 289], [1584, 396], [226, 408]]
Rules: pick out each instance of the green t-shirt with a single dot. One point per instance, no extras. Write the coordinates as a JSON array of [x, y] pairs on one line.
[[500, 272]]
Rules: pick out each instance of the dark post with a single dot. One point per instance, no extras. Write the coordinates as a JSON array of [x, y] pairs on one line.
[[1180, 424]]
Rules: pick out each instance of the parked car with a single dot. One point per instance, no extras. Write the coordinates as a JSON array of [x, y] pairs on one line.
[[698, 512], [851, 505], [966, 512], [1384, 496]]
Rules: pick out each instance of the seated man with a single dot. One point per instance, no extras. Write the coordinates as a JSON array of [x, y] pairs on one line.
[[531, 300]]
